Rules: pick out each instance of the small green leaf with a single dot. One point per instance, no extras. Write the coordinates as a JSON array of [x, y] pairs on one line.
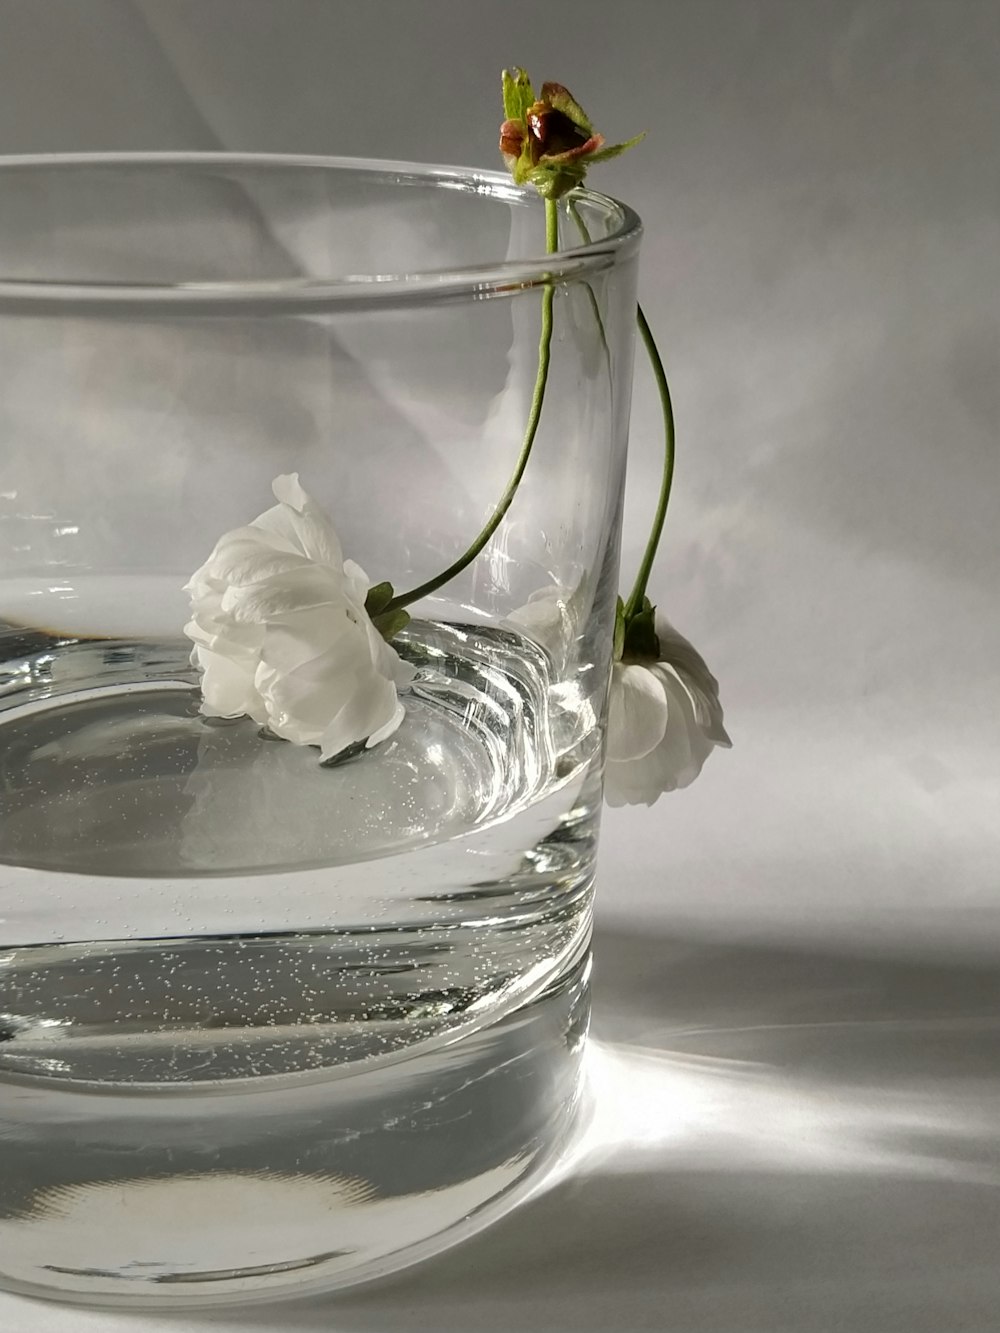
[[518, 94], [615, 150], [379, 596], [561, 99], [391, 622], [619, 644]]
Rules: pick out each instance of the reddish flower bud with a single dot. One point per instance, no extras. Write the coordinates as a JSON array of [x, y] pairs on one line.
[[549, 142]]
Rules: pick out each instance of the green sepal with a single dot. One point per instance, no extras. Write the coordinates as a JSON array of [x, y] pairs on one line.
[[641, 640], [561, 99], [522, 170], [389, 623], [619, 644], [615, 150], [552, 182], [379, 597], [518, 94]]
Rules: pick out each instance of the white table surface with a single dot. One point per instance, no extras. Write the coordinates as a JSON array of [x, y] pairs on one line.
[[797, 1001]]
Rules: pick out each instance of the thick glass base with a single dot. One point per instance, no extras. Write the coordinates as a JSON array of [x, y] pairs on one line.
[[204, 1194]]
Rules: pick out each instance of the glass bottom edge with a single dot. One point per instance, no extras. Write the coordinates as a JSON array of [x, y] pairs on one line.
[[455, 1141]]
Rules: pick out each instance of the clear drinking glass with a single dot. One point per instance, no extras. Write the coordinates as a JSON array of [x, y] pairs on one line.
[[267, 1025]]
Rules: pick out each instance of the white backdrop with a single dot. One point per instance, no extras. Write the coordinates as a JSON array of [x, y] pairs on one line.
[[797, 1013]]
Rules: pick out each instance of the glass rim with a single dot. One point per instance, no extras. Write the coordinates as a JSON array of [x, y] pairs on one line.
[[501, 278]]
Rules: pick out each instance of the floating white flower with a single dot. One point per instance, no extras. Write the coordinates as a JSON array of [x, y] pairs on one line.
[[664, 720], [282, 635]]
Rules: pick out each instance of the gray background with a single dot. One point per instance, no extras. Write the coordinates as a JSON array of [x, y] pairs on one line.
[[797, 994]]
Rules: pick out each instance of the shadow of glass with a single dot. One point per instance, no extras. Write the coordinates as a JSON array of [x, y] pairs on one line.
[[715, 998]]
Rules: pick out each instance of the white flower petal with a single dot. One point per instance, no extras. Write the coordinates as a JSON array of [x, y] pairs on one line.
[[637, 712], [672, 764], [372, 709], [298, 518], [356, 582], [287, 490], [546, 618], [322, 639], [244, 561], [329, 696], [308, 698], [385, 732], [385, 658], [703, 688], [228, 686], [299, 590], [223, 636], [553, 617], [278, 526], [693, 727]]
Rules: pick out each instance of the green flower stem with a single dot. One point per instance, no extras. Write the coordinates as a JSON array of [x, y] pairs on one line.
[[638, 592], [634, 603], [534, 416], [581, 227]]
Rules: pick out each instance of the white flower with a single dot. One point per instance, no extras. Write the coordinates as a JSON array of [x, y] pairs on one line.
[[664, 720], [281, 632]]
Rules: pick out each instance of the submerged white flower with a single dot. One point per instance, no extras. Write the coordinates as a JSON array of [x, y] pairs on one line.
[[664, 720], [549, 617], [281, 633]]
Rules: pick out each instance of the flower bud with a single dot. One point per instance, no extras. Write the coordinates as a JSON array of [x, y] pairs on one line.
[[548, 141]]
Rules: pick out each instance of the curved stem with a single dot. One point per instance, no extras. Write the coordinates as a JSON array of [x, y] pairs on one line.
[[649, 342], [534, 416], [584, 231], [642, 578]]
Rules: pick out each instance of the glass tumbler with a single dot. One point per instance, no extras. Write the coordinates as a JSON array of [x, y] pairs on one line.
[[269, 1024]]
